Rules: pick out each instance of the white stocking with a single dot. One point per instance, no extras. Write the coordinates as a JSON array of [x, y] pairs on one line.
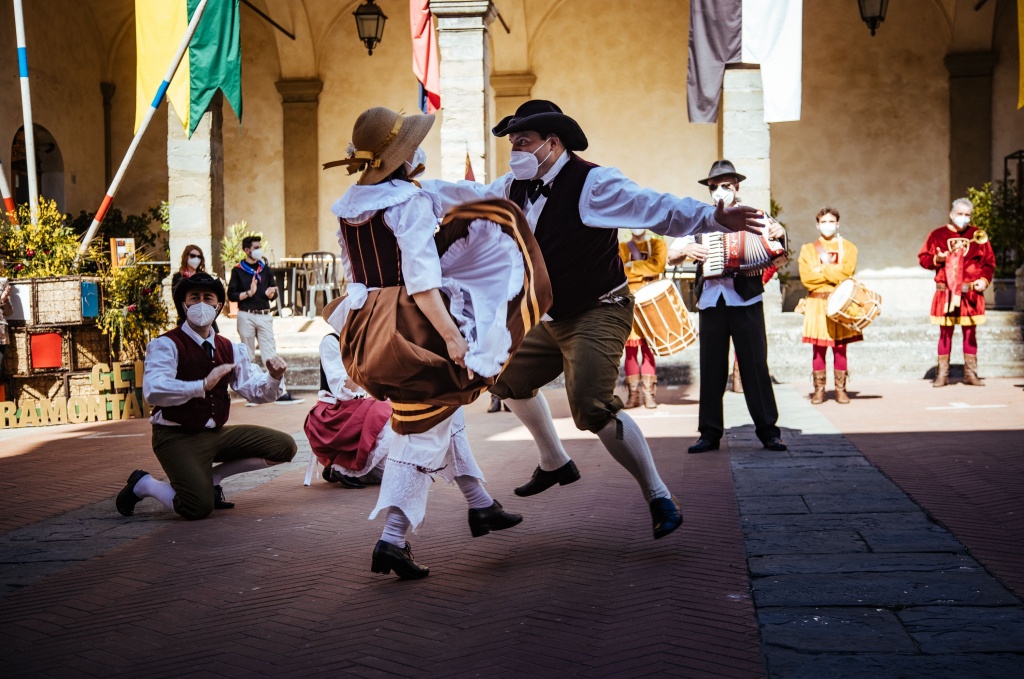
[[634, 455], [161, 490], [226, 469], [536, 417]]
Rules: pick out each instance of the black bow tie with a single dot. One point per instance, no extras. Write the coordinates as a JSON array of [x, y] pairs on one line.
[[536, 188]]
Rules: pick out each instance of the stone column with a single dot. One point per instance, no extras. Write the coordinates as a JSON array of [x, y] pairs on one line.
[[511, 90], [746, 142], [970, 120], [107, 90], [465, 92], [299, 102], [195, 184]]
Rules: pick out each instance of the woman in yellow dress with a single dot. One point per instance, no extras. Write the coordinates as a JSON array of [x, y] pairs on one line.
[[824, 264], [644, 260]]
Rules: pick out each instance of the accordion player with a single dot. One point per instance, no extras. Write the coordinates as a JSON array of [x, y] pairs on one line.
[[742, 253]]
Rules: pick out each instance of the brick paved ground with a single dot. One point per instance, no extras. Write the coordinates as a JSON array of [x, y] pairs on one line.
[[280, 586]]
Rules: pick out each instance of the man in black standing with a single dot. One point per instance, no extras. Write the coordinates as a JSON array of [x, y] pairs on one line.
[[730, 307], [252, 287]]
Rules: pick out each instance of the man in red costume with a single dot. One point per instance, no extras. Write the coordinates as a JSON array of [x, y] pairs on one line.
[[964, 262]]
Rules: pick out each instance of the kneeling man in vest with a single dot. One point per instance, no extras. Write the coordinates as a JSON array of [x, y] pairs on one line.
[[188, 371]]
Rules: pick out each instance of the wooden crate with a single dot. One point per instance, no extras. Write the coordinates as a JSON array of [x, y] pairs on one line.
[[56, 300], [79, 384], [18, 358], [29, 390], [89, 346]]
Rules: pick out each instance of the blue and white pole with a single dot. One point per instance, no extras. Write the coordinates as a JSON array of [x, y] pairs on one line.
[[26, 110]]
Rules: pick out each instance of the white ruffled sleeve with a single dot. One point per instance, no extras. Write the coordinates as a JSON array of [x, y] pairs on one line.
[[413, 223], [610, 200]]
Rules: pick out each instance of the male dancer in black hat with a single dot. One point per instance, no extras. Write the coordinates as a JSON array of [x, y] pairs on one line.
[[188, 371], [574, 208], [730, 307]]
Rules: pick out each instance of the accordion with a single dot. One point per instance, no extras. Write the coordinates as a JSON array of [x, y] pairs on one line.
[[741, 253]]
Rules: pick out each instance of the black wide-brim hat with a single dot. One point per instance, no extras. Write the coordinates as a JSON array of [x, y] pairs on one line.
[[543, 117], [201, 281], [721, 168]]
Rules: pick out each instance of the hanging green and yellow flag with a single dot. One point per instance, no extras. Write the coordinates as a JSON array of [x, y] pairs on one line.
[[213, 60]]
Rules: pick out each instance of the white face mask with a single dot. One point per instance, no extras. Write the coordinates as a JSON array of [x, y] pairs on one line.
[[201, 314], [418, 164], [638, 232], [257, 254], [961, 221], [724, 195], [525, 165], [828, 229], [194, 262]]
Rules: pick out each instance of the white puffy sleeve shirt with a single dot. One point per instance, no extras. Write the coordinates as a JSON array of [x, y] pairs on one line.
[[161, 387], [411, 214], [609, 200]]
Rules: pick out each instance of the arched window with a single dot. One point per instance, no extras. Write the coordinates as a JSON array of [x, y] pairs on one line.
[[49, 167]]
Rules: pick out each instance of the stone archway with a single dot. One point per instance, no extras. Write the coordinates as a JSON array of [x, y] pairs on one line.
[[49, 166]]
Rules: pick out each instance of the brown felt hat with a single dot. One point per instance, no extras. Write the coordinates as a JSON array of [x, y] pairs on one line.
[[382, 140]]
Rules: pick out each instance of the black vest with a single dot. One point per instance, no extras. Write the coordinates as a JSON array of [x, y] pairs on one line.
[[583, 262], [194, 364]]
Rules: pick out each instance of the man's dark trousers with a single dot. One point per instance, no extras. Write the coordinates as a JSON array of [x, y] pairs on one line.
[[745, 325]]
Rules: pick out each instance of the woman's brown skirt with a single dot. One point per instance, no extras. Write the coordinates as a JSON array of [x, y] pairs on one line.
[[391, 350]]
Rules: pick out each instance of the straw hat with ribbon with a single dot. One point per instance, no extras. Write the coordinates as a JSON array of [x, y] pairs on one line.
[[382, 140]]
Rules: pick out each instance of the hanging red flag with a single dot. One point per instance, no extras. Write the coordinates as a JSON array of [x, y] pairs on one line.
[[425, 64], [469, 169]]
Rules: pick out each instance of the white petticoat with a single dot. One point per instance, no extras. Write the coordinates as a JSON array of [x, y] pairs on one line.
[[415, 459]]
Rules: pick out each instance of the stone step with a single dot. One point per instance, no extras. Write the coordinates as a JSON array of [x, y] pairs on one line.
[[895, 347]]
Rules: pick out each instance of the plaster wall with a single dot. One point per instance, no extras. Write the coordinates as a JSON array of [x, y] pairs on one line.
[[873, 140], [65, 61], [354, 82], [253, 150], [1007, 119], [619, 69]]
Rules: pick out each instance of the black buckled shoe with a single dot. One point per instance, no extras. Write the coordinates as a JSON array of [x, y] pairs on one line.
[[483, 521], [332, 475], [218, 499], [666, 515], [542, 480], [387, 557], [775, 444], [703, 445], [127, 499]]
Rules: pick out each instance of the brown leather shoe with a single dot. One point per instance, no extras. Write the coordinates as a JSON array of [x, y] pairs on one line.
[[818, 397], [971, 371], [840, 379], [650, 389], [942, 372], [633, 386]]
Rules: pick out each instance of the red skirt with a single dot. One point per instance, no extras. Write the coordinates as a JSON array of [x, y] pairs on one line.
[[970, 312], [344, 433]]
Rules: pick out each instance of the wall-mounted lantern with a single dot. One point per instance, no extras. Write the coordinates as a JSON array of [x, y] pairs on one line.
[[872, 12], [370, 24]]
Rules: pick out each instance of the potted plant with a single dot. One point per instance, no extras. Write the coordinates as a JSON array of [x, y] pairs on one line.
[[999, 211]]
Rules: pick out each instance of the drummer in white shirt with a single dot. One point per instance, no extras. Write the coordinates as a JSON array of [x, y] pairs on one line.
[[188, 371]]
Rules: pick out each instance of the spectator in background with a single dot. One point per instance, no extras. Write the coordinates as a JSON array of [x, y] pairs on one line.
[[6, 309], [644, 260], [824, 264], [192, 261], [252, 287]]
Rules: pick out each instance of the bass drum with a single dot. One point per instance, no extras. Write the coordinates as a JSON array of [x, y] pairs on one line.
[[852, 305]]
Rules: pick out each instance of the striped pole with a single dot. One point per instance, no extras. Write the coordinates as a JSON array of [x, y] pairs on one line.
[[26, 110], [126, 161], [5, 192]]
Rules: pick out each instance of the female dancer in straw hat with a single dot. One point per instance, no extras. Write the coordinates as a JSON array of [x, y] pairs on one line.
[[399, 339]]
